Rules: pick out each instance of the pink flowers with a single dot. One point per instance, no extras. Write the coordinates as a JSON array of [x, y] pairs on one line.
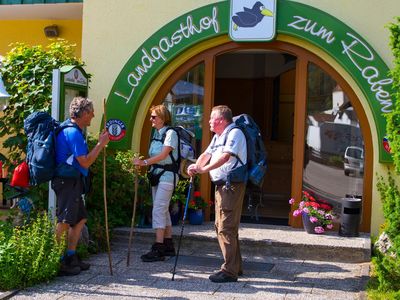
[[296, 213], [319, 212]]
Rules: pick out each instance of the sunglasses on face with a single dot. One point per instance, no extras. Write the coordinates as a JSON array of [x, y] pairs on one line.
[[153, 117]]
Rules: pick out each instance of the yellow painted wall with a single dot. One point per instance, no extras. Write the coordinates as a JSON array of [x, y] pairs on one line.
[[113, 30], [107, 45], [31, 32]]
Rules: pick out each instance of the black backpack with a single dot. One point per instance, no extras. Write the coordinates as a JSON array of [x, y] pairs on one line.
[[41, 130], [185, 152], [256, 152]]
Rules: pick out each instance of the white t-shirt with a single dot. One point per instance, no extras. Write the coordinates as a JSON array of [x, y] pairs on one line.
[[235, 145]]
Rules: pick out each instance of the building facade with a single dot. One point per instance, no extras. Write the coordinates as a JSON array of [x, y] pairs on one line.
[[316, 81]]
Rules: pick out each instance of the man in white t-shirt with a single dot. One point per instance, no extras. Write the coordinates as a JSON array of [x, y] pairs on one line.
[[220, 157]]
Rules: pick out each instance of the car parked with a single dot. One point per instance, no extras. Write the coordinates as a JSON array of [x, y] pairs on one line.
[[354, 160]]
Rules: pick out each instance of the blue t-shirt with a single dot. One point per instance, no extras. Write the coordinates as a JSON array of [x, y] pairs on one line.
[[71, 141]]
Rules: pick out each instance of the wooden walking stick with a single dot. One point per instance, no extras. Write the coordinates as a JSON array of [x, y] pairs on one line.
[[133, 216], [105, 191]]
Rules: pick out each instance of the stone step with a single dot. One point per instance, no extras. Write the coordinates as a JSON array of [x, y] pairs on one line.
[[258, 240]]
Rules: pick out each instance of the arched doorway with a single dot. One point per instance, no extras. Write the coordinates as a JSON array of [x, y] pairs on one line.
[[279, 96]]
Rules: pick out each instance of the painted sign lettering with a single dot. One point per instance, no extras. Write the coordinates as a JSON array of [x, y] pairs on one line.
[[165, 44], [293, 19], [358, 53], [354, 50], [313, 28]]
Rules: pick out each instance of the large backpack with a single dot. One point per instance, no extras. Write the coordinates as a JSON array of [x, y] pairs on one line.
[[41, 130], [185, 152], [256, 153]]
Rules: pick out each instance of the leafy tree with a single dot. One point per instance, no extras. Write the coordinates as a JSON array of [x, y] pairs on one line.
[[27, 74]]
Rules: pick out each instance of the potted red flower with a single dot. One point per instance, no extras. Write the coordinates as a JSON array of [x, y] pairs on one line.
[[317, 215], [196, 206]]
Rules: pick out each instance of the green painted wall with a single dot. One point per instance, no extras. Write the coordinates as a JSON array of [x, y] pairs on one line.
[[304, 22]]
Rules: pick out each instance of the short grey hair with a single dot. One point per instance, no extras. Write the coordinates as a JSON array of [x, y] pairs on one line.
[[224, 111], [79, 105]]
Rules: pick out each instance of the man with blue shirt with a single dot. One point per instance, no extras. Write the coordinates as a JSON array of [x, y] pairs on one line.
[[220, 158], [72, 152]]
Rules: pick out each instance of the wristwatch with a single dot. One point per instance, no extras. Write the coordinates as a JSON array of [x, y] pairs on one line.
[[145, 162]]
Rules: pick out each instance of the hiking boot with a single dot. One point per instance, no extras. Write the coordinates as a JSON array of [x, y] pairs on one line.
[[169, 247], [68, 269], [221, 277], [77, 261], [156, 253]]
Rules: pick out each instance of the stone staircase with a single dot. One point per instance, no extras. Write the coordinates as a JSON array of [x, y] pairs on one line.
[[259, 240]]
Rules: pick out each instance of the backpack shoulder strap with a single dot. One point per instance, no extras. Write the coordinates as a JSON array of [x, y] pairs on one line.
[[229, 131], [162, 139], [226, 138], [66, 125], [174, 161], [61, 128]]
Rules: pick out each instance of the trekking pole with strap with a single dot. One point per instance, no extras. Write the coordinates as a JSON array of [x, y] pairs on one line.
[[183, 225], [105, 191], [133, 216]]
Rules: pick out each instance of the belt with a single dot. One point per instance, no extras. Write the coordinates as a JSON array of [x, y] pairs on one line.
[[219, 182]]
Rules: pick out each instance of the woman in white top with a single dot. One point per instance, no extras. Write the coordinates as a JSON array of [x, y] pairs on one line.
[[163, 178]]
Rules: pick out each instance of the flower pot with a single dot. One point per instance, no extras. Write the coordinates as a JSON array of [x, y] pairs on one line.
[[196, 216], [307, 224]]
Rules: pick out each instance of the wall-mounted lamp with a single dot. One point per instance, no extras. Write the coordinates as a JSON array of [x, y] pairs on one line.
[[51, 31], [3, 96]]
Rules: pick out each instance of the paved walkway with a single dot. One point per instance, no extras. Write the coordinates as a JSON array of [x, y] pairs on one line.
[[264, 278]]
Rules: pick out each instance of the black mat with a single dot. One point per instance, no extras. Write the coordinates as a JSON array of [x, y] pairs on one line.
[[265, 220], [217, 262]]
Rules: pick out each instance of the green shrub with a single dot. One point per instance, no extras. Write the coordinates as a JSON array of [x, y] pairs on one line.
[[386, 266], [28, 254], [393, 118], [390, 197], [120, 194]]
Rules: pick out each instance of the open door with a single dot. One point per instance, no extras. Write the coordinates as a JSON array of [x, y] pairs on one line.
[[261, 83]]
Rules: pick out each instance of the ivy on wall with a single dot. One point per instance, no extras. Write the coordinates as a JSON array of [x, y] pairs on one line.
[[393, 119], [387, 252]]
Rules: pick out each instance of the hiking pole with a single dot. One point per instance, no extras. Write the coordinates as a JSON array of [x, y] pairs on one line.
[[105, 191], [183, 225], [133, 217]]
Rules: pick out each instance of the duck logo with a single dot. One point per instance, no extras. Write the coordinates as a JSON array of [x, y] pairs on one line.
[[116, 129], [252, 20]]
